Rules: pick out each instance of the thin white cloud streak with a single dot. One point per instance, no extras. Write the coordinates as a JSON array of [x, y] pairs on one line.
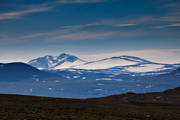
[[155, 20], [125, 25], [167, 26], [168, 56], [171, 18], [79, 1], [41, 8], [29, 10], [94, 35], [174, 25], [83, 35], [74, 30], [46, 34], [62, 35], [80, 32], [173, 5]]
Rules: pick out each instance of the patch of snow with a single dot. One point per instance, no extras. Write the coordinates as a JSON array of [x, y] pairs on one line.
[[67, 64], [111, 75], [39, 68], [49, 89], [116, 73], [146, 68], [68, 77], [71, 70], [104, 64], [98, 89], [100, 84], [75, 77], [104, 79], [148, 86], [119, 80], [79, 72]]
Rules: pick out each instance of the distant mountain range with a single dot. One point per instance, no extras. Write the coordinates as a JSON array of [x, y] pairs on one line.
[[123, 64], [137, 75], [56, 62]]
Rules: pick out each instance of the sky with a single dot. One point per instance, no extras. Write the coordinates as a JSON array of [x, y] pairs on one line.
[[91, 29]]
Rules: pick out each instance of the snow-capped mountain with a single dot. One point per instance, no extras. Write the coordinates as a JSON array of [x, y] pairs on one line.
[[19, 78], [56, 62], [116, 65], [112, 62], [65, 61]]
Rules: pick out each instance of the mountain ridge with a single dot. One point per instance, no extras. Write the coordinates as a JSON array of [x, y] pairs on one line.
[[27, 80], [50, 62], [124, 63]]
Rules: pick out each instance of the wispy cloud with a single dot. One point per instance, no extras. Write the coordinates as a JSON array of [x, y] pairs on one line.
[[28, 10], [75, 31], [173, 5], [79, 1], [170, 18], [84, 35], [174, 25], [167, 26], [125, 25], [98, 34], [115, 28], [41, 8]]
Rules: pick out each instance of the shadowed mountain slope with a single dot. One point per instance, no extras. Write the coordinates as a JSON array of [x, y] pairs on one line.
[[21, 72]]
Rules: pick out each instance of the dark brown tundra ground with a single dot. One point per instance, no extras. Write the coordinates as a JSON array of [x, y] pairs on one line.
[[150, 106]]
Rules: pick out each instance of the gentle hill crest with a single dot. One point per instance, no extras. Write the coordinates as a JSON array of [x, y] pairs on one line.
[[21, 72]]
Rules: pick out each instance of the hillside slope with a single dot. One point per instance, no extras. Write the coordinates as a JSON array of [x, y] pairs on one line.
[[14, 72], [151, 106]]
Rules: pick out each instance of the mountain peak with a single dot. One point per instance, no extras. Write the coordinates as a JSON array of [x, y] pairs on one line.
[[127, 58], [62, 55], [65, 54], [65, 61], [50, 62], [68, 57]]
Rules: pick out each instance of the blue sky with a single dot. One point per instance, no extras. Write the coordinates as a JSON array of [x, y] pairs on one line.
[[32, 28]]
